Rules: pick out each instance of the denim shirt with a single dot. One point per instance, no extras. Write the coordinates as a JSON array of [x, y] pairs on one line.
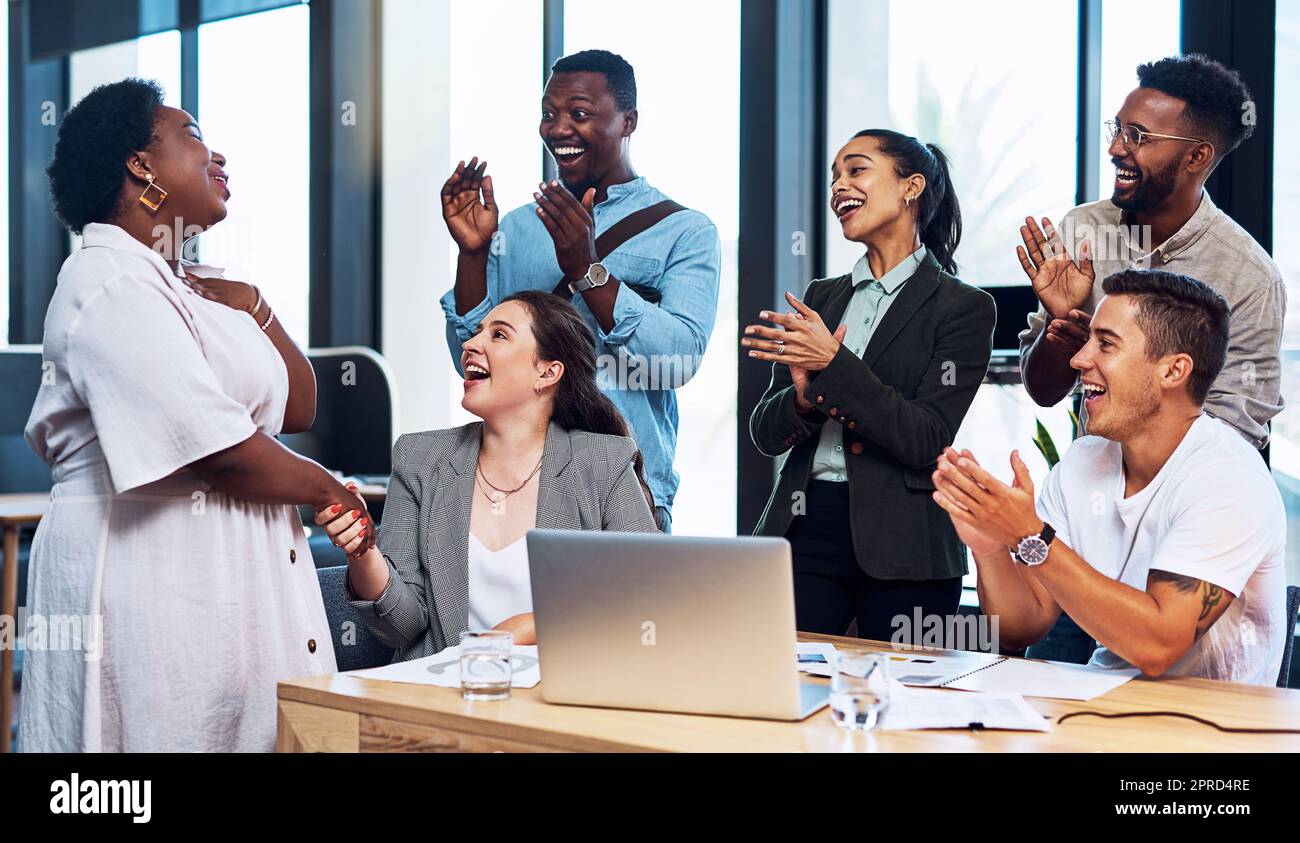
[[652, 348]]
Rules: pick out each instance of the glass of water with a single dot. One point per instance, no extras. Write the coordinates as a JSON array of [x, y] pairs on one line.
[[485, 664], [859, 688]]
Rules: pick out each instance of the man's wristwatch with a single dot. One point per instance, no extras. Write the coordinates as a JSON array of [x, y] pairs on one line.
[[1032, 550], [596, 276]]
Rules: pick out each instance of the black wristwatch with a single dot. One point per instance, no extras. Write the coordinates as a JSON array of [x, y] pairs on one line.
[[1032, 550]]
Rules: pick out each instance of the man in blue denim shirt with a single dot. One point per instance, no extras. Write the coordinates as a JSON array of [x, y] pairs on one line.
[[645, 348]]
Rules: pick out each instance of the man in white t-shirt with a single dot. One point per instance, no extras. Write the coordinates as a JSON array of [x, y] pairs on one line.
[[1161, 532]]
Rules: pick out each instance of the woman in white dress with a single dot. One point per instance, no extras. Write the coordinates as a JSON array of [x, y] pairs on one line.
[[171, 527]]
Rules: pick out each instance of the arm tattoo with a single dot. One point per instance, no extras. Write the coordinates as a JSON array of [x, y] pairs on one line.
[[1211, 594]]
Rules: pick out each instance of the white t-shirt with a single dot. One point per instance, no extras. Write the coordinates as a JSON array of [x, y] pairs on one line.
[[1212, 513], [499, 586]]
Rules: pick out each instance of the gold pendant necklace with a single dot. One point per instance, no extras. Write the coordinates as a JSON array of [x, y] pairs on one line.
[[499, 502]]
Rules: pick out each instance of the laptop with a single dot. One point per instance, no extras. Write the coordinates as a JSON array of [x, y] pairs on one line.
[[668, 623]]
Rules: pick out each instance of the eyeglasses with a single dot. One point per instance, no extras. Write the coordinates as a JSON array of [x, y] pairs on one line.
[[1131, 136]]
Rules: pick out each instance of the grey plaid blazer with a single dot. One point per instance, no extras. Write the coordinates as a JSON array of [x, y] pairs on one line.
[[587, 483]]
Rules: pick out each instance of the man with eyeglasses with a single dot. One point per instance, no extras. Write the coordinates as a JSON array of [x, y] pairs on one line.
[[1186, 115]]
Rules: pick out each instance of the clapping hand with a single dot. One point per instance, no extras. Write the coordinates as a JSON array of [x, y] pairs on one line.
[[801, 341], [571, 225], [1060, 283], [469, 207], [987, 513]]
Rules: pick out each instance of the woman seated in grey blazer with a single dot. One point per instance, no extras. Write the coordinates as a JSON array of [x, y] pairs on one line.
[[872, 375], [550, 452]]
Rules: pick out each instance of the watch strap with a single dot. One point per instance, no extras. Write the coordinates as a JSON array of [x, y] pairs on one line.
[[1045, 535], [579, 285]]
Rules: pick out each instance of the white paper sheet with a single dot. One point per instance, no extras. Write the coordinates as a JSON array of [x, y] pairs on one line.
[[937, 708], [1056, 680], [443, 669]]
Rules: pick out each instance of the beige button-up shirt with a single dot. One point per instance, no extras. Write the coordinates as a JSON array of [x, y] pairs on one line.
[[1211, 247]]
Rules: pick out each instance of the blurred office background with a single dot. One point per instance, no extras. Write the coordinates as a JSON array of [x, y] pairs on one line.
[[342, 118]]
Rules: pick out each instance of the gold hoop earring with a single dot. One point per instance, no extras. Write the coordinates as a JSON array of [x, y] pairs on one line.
[[908, 200], [152, 203]]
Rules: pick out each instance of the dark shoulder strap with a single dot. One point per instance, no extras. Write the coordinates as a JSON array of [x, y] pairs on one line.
[[624, 230], [633, 224]]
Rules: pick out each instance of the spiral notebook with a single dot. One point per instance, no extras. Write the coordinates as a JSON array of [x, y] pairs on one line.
[[994, 674]]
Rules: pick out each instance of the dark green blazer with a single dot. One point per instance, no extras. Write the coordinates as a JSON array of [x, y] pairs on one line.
[[899, 405]]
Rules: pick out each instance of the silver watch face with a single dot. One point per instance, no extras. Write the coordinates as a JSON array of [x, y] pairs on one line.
[[597, 274], [1032, 550]]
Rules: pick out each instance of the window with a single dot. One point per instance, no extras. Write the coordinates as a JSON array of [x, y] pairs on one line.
[[255, 112], [495, 104], [1284, 451], [1131, 34], [687, 145], [156, 57], [1005, 117]]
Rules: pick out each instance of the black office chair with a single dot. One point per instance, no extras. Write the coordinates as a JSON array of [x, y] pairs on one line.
[[1292, 609], [20, 469], [354, 431], [355, 646]]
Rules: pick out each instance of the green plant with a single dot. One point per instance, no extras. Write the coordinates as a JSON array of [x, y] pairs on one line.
[[1046, 446]]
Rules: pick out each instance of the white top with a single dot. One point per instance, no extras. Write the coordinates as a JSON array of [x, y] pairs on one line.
[[1212, 512], [498, 583], [205, 601]]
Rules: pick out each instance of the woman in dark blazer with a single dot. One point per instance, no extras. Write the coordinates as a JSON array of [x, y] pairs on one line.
[[550, 452], [872, 375]]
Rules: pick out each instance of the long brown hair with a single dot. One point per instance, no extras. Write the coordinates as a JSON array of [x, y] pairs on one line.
[[562, 335]]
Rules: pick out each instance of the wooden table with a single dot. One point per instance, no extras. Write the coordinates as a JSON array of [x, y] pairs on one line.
[[344, 714], [16, 511]]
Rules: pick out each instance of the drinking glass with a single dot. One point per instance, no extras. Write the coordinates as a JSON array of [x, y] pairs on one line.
[[485, 664], [859, 689]]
